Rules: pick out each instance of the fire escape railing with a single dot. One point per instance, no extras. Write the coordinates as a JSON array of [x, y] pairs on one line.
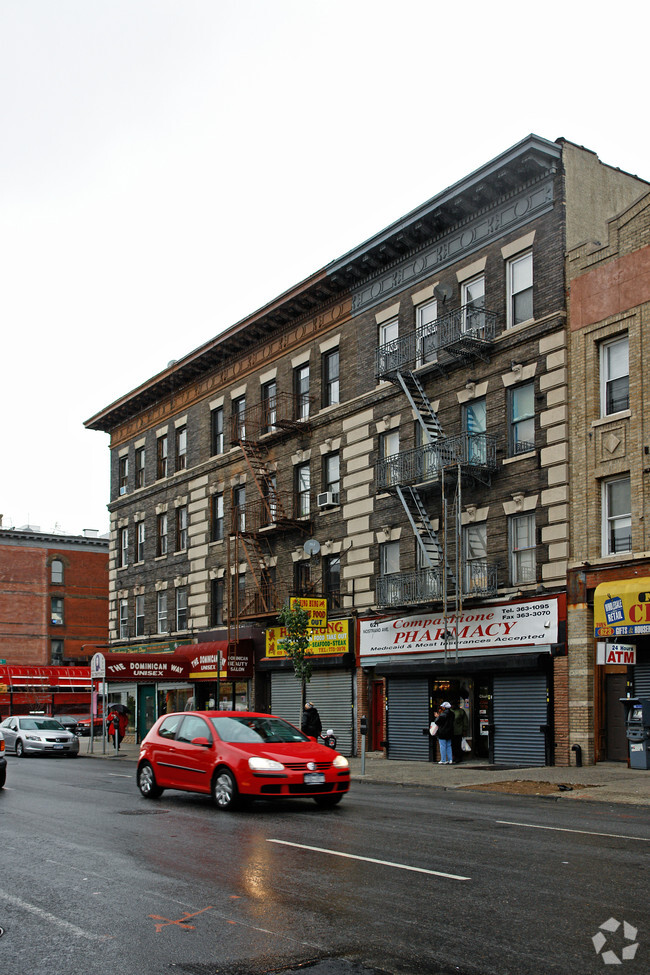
[[475, 452]]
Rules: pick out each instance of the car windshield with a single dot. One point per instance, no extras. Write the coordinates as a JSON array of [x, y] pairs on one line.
[[253, 729], [40, 724]]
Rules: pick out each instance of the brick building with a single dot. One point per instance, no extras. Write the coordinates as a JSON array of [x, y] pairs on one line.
[[391, 434], [609, 570], [53, 608]]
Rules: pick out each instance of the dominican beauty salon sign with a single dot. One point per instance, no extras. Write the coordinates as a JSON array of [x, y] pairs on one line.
[[519, 627]]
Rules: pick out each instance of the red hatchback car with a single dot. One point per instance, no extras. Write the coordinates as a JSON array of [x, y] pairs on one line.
[[238, 756]]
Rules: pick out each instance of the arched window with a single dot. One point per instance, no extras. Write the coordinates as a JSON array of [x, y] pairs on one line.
[[57, 571]]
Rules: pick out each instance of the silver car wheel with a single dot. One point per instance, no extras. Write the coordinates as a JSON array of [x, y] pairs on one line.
[[147, 782], [20, 749], [224, 790]]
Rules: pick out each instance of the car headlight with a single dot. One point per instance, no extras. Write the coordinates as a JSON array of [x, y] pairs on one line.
[[32, 737], [341, 762], [257, 764]]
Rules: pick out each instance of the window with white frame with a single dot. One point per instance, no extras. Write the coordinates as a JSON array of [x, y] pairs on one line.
[[475, 558], [388, 558], [56, 611], [426, 316], [216, 430], [473, 302], [139, 615], [614, 376], [332, 474], [181, 448], [161, 534], [239, 508], [56, 652], [269, 406], [181, 528], [56, 572], [617, 516], [521, 408], [388, 331], [124, 547], [140, 467], [139, 545], [161, 612], [181, 608], [161, 456], [475, 426], [239, 418], [217, 517], [302, 483], [331, 378], [520, 289], [523, 549], [124, 474], [301, 391], [124, 619], [389, 457]]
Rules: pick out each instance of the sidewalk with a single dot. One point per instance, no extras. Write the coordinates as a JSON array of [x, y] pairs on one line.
[[605, 782]]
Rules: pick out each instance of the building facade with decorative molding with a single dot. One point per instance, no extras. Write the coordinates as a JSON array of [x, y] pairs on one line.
[[391, 436], [609, 568]]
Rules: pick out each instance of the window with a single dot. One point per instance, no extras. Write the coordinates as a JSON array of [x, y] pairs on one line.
[[217, 518], [216, 430], [124, 474], [426, 317], [301, 578], [139, 545], [239, 591], [388, 558], [216, 609], [124, 547], [520, 289], [474, 425], [181, 528], [302, 490], [239, 418], [473, 302], [301, 391], [161, 446], [139, 615], [124, 619], [56, 652], [614, 376], [389, 332], [56, 572], [161, 612], [475, 557], [389, 457], [181, 608], [522, 419], [332, 474], [56, 611], [522, 549], [332, 581], [239, 508], [139, 467], [617, 516], [161, 534], [270, 489], [269, 406], [181, 448], [331, 387]]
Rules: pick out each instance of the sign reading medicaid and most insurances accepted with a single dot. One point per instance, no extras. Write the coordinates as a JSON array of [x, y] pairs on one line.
[[315, 608], [334, 638], [622, 608], [480, 630]]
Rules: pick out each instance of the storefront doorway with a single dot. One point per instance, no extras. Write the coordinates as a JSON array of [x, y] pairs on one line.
[[146, 708]]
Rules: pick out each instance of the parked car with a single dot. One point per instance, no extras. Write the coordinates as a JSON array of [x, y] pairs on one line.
[[83, 725], [33, 734], [69, 721], [3, 762], [238, 756]]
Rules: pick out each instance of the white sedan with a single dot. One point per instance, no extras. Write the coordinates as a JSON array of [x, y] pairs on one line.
[[34, 734]]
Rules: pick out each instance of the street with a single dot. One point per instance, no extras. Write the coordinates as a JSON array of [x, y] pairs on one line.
[[96, 880]]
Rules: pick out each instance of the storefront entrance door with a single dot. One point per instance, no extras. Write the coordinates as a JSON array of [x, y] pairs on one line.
[[617, 748], [146, 708]]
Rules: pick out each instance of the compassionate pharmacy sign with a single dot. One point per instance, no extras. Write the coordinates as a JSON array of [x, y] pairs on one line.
[[488, 629]]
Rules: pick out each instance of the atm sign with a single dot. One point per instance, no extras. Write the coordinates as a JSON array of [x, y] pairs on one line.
[[616, 653]]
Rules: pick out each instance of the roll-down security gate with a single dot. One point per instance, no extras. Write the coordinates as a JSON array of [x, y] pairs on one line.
[[519, 708]]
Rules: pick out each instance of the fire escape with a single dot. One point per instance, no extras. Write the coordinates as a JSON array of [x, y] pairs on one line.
[[254, 523], [457, 337]]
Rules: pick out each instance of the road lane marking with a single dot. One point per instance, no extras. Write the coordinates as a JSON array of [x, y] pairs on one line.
[[383, 863], [181, 922], [585, 832], [52, 918]]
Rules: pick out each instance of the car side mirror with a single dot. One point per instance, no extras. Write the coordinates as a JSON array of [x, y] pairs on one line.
[[202, 742]]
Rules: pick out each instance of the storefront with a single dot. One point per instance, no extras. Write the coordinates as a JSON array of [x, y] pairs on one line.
[[496, 661], [162, 679], [332, 683], [52, 690]]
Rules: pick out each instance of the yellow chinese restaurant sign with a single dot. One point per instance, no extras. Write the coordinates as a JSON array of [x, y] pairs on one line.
[[333, 638], [622, 608], [316, 609]]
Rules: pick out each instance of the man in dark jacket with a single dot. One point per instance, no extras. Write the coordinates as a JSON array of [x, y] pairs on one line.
[[311, 724], [445, 722]]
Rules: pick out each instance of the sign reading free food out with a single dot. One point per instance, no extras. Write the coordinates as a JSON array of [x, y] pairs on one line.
[[482, 629]]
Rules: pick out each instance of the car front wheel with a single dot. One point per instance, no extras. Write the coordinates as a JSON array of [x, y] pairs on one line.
[[328, 800], [224, 789], [147, 782], [20, 749]]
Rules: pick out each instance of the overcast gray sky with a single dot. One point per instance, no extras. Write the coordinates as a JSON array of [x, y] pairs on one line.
[[168, 166]]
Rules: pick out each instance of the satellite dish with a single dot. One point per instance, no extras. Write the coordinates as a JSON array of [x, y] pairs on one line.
[[311, 547], [443, 292]]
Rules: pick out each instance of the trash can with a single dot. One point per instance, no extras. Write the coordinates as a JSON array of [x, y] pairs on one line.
[[637, 730]]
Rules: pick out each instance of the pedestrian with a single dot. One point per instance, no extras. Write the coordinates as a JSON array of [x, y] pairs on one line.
[[118, 722], [445, 722], [311, 723], [461, 727]]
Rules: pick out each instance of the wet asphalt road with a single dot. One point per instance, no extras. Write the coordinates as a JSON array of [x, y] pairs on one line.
[[97, 880]]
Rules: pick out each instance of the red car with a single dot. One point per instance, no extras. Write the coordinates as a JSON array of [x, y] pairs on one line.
[[238, 756]]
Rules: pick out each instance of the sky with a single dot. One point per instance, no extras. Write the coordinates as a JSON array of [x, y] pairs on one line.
[[169, 166]]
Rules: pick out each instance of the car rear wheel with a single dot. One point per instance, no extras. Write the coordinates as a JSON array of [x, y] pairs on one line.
[[328, 800], [147, 782], [3, 777], [224, 789], [20, 749], [72, 754]]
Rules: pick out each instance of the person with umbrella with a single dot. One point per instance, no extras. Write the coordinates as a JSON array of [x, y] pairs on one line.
[[118, 722]]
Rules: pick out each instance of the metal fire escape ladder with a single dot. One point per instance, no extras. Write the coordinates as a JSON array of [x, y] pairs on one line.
[[419, 401], [256, 458], [421, 525]]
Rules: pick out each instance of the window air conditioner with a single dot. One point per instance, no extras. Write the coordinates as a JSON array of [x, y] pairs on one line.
[[327, 499]]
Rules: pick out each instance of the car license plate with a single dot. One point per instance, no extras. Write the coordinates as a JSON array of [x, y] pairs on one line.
[[314, 778], [58, 746]]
